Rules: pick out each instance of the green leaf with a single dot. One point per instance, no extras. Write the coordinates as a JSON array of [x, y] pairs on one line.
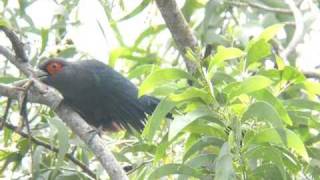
[[202, 161], [44, 39], [225, 54], [191, 93], [68, 52], [180, 122], [137, 10], [258, 50], [5, 23], [302, 104], [161, 77], [271, 135], [36, 160], [152, 30], [63, 139], [312, 87], [223, 164], [154, 122], [202, 143], [118, 53], [249, 85], [271, 31], [169, 169], [222, 55], [141, 70], [292, 74], [264, 152], [263, 111], [265, 95]]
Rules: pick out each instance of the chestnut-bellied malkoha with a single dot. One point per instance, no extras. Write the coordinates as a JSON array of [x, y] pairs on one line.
[[102, 96]]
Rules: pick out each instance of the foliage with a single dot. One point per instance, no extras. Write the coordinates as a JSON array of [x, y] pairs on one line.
[[240, 119]]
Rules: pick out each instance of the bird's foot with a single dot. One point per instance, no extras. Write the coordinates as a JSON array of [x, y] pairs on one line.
[[94, 132]]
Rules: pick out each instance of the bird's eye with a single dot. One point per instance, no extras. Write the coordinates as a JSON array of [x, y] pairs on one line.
[[54, 68]]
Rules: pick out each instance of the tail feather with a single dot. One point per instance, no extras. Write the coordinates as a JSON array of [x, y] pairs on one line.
[[150, 103]]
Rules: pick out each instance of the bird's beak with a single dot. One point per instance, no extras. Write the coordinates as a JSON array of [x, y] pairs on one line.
[[41, 74]]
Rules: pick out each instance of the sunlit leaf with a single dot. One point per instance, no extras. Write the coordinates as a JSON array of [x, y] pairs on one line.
[[152, 30], [44, 39], [258, 51], [249, 85], [191, 93], [137, 10], [271, 31], [161, 77]]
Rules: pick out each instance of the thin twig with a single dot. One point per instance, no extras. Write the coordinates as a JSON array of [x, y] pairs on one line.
[[259, 6], [51, 148]]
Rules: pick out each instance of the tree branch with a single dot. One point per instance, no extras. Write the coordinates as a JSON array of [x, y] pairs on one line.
[[41, 93], [298, 33], [179, 29]]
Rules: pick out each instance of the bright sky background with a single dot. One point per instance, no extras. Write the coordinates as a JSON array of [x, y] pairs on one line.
[[88, 37]]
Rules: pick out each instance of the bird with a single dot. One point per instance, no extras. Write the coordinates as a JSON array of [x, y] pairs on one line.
[[102, 96]]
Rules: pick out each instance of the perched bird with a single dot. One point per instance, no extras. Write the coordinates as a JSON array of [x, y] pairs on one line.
[[102, 96]]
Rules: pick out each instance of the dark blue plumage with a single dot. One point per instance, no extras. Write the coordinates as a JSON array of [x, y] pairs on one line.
[[102, 96]]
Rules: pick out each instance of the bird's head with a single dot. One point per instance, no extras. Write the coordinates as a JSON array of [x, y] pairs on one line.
[[52, 67], [58, 73]]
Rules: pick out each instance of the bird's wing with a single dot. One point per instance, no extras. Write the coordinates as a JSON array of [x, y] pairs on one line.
[[120, 99]]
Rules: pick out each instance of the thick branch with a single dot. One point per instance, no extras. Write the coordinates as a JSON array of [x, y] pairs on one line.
[[51, 148], [41, 93], [179, 29]]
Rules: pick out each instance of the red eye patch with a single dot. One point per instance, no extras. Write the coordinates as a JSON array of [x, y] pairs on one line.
[[54, 67]]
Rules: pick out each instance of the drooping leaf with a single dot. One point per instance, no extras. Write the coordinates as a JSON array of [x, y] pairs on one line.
[[63, 140], [137, 10], [44, 39], [265, 95], [223, 164], [154, 122], [180, 122]]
